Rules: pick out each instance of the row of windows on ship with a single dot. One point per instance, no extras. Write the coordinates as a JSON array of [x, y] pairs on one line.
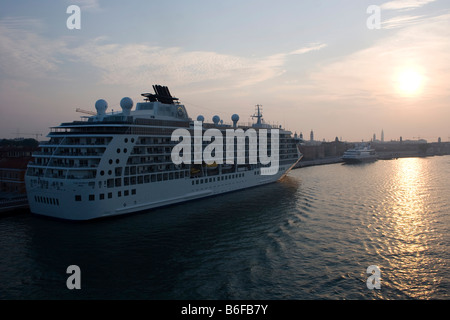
[[155, 149], [103, 141], [156, 157], [171, 171], [199, 181], [180, 171], [112, 183]]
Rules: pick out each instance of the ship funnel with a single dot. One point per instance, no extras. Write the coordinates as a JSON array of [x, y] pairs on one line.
[[101, 106], [235, 119], [126, 104]]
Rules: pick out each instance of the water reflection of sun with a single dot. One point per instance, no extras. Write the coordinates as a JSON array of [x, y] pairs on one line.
[[408, 227], [408, 207]]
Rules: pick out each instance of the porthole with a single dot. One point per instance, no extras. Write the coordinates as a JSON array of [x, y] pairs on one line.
[[110, 161], [102, 173], [118, 150], [117, 161], [125, 150], [109, 172], [126, 140]]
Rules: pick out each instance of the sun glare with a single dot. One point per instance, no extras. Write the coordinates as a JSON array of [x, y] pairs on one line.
[[409, 82]]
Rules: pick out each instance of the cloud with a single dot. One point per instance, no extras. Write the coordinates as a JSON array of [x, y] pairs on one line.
[[139, 63], [405, 4], [89, 5], [309, 48], [401, 21], [369, 75], [21, 23], [24, 53], [27, 54]]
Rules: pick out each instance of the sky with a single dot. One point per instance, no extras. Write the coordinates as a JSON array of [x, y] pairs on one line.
[[342, 68]]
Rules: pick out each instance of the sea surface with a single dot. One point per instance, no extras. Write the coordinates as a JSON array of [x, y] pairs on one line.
[[311, 236]]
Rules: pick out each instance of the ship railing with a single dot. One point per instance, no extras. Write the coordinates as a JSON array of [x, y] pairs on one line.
[[241, 125]]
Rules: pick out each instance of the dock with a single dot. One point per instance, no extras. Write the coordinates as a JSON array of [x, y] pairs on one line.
[[318, 162], [13, 204]]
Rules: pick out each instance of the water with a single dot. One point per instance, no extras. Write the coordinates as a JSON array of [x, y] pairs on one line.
[[311, 236]]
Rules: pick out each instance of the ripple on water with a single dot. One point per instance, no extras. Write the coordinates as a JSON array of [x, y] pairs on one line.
[[311, 236]]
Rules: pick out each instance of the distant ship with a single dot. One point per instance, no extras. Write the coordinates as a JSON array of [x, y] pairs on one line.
[[117, 163], [360, 153]]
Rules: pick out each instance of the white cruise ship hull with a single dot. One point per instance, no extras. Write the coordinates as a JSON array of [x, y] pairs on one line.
[[62, 204]]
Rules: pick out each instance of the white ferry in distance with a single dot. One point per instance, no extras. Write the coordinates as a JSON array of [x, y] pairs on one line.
[[360, 153], [111, 164]]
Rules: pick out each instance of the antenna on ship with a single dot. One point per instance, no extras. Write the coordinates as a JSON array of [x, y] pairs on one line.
[[258, 114], [92, 113]]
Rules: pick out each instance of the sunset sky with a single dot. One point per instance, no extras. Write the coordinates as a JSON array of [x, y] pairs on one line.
[[313, 65]]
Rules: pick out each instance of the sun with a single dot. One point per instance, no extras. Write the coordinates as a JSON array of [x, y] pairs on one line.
[[409, 82]]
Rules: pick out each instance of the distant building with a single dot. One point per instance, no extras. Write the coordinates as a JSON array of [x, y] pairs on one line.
[[12, 175], [14, 159], [311, 136], [382, 135]]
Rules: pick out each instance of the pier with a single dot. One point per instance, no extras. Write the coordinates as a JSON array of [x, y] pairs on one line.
[[13, 204]]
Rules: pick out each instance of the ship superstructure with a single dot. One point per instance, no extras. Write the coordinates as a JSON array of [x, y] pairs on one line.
[[121, 162]]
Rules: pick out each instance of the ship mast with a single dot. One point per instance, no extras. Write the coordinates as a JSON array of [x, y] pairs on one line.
[[258, 114]]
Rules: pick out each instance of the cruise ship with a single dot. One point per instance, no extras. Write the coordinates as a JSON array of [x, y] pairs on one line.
[[360, 153], [115, 163]]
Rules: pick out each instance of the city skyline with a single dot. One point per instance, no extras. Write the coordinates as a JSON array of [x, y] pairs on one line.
[[313, 65]]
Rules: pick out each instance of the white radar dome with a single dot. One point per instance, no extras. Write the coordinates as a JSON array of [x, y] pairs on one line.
[[235, 119], [126, 104], [101, 106]]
